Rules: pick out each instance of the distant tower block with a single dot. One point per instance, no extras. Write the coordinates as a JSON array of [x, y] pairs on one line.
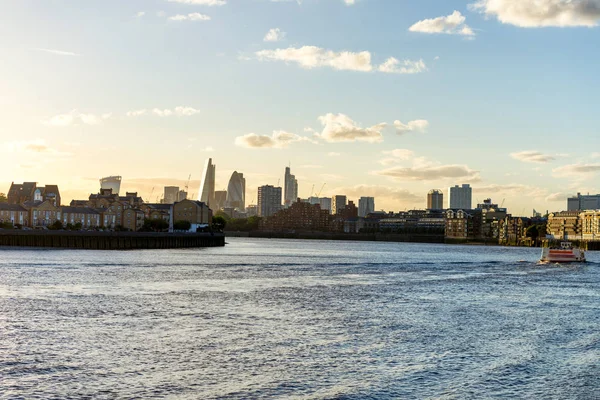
[[207, 185], [435, 200], [111, 182], [236, 192]]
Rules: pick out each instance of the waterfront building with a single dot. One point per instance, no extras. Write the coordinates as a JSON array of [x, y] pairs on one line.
[[132, 219], [290, 188], [29, 191], [513, 231], [269, 200], [111, 182], [435, 200], [459, 224], [564, 225], [157, 211], [460, 197], [338, 203], [87, 217], [300, 216], [171, 194], [197, 213], [207, 184], [236, 192], [491, 215], [14, 214], [583, 202], [590, 225], [220, 200], [414, 221], [42, 213], [366, 205]]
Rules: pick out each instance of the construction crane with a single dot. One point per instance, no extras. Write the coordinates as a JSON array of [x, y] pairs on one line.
[[151, 193], [502, 205], [187, 185], [312, 191], [322, 187]]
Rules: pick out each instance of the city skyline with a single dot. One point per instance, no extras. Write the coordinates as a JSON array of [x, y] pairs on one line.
[[403, 99]]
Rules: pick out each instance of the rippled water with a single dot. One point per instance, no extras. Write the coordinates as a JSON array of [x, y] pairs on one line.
[[298, 319]]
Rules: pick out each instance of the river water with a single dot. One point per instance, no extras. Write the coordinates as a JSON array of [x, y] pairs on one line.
[[298, 320]]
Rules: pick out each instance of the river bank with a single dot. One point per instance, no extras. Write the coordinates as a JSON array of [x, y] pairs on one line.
[[108, 240]]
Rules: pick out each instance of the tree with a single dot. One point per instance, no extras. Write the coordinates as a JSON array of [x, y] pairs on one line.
[[56, 226], [3, 198], [182, 225], [219, 223], [155, 225]]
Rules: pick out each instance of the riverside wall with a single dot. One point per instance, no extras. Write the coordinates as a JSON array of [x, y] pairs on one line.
[[108, 240]]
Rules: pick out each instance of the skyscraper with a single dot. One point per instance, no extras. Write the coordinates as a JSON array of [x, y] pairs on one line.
[[290, 188], [366, 205], [338, 203], [460, 197], [269, 200], [111, 182], [207, 185], [435, 200], [236, 192], [171, 194], [220, 200]]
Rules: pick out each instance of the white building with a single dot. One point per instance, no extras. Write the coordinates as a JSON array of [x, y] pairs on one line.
[[366, 205], [111, 182], [290, 188], [460, 197]]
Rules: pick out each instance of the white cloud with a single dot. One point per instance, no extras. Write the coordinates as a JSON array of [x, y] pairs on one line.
[[136, 113], [74, 117], [313, 57], [38, 146], [421, 171], [310, 57], [557, 197], [532, 156], [580, 170], [190, 17], [278, 140], [340, 128], [397, 156], [394, 66], [419, 125], [140, 14], [274, 35], [334, 154], [453, 24], [380, 192], [57, 52], [541, 13], [180, 111], [209, 3]]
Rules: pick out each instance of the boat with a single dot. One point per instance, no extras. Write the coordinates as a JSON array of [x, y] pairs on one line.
[[562, 254]]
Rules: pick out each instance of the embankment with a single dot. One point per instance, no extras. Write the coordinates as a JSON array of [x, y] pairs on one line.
[[108, 240], [365, 237]]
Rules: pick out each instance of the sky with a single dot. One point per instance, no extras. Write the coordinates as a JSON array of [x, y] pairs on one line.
[[383, 98]]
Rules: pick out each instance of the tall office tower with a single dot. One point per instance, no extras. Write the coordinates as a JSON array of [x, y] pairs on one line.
[[171, 195], [325, 203], [435, 200], [290, 188], [111, 182], [220, 200], [236, 192], [207, 185], [460, 197], [338, 203], [269, 200], [366, 205]]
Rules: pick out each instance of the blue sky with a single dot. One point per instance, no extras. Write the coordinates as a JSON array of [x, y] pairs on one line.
[[501, 95]]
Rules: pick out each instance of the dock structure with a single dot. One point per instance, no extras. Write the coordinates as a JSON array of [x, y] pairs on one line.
[[109, 240]]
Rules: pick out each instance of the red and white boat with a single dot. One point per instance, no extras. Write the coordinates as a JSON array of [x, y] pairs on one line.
[[563, 254]]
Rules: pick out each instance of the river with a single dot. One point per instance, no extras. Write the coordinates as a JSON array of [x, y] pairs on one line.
[[298, 320]]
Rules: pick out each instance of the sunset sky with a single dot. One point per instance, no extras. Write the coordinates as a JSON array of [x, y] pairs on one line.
[[384, 98]]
